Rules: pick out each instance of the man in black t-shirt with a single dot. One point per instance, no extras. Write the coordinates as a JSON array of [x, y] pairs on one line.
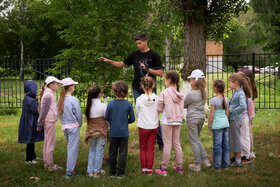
[[145, 62]]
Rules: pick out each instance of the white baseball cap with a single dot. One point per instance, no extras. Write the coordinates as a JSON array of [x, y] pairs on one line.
[[67, 82], [52, 79], [196, 74]]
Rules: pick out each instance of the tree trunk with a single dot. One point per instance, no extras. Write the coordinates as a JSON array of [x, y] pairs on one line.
[[167, 53], [195, 43], [22, 20]]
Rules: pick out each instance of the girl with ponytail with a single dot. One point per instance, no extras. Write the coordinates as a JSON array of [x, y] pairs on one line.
[[219, 125], [237, 105], [246, 118], [195, 101], [70, 115], [96, 131], [171, 104], [146, 111]]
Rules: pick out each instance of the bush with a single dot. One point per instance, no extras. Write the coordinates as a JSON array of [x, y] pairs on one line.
[[8, 111]]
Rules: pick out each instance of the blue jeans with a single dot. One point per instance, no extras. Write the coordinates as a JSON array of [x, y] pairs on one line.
[[72, 137], [95, 156], [136, 94], [220, 143]]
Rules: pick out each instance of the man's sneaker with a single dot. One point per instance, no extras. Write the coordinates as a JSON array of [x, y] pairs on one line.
[[206, 163], [232, 160], [73, 174], [179, 170], [149, 172], [252, 155], [195, 167], [31, 162], [245, 160], [235, 164], [161, 171]]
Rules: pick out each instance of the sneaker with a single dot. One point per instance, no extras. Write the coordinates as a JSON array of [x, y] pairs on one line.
[[179, 170], [232, 160], [73, 174], [120, 176], [245, 160], [252, 155], [235, 164], [161, 171], [149, 172], [90, 175], [54, 168], [206, 163], [106, 160], [37, 158], [31, 162], [195, 167]]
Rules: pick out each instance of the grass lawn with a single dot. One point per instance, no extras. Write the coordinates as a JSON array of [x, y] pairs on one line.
[[263, 171]]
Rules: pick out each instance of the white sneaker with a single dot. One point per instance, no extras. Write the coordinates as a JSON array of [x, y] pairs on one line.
[[206, 163], [252, 155], [31, 162], [195, 167]]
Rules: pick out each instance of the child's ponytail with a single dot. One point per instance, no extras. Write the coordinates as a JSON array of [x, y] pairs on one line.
[[60, 103], [41, 95], [93, 92], [173, 76], [219, 85], [148, 84], [246, 85]]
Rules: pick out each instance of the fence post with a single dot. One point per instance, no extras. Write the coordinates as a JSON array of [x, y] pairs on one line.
[[253, 63]]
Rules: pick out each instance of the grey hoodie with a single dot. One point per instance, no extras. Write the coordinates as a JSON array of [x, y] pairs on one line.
[[146, 111]]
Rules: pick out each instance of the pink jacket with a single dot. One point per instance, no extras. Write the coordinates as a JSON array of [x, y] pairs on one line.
[[172, 102], [52, 113]]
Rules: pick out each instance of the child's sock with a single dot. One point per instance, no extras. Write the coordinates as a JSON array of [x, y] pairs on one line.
[[149, 170], [238, 160]]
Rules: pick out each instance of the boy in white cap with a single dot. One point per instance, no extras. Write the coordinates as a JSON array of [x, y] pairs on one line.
[[194, 102], [70, 115], [47, 119]]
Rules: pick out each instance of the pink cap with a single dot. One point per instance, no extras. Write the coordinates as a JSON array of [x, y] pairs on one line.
[[67, 82]]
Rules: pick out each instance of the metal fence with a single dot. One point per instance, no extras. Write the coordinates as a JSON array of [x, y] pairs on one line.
[[217, 67]]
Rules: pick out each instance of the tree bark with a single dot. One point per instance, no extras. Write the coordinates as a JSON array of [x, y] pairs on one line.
[[195, 43], [22, 20], [167, 53]]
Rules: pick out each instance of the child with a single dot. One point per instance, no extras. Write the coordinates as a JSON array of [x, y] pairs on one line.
[[27, 133], [218, 123], [119, 113], [96, 131], [71, 118], [254, 91], [237, 105], [146, 112], [194, 102], [47, 118], [245, 126], [171, 104]]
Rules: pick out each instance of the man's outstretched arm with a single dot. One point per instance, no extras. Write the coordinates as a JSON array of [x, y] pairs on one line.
[[158, 72], [118, 64]]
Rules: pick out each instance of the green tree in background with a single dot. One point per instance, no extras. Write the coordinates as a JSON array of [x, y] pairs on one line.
[[94, 29], [205, 19]]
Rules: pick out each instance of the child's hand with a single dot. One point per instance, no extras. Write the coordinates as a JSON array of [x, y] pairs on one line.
[[39, 128], [209, 128]]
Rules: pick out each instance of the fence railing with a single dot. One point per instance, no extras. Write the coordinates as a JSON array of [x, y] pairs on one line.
[[217, 67]]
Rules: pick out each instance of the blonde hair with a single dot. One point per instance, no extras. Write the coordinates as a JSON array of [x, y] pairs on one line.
[[200, 84], [242, 82], [148, 84], [60, 103]]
